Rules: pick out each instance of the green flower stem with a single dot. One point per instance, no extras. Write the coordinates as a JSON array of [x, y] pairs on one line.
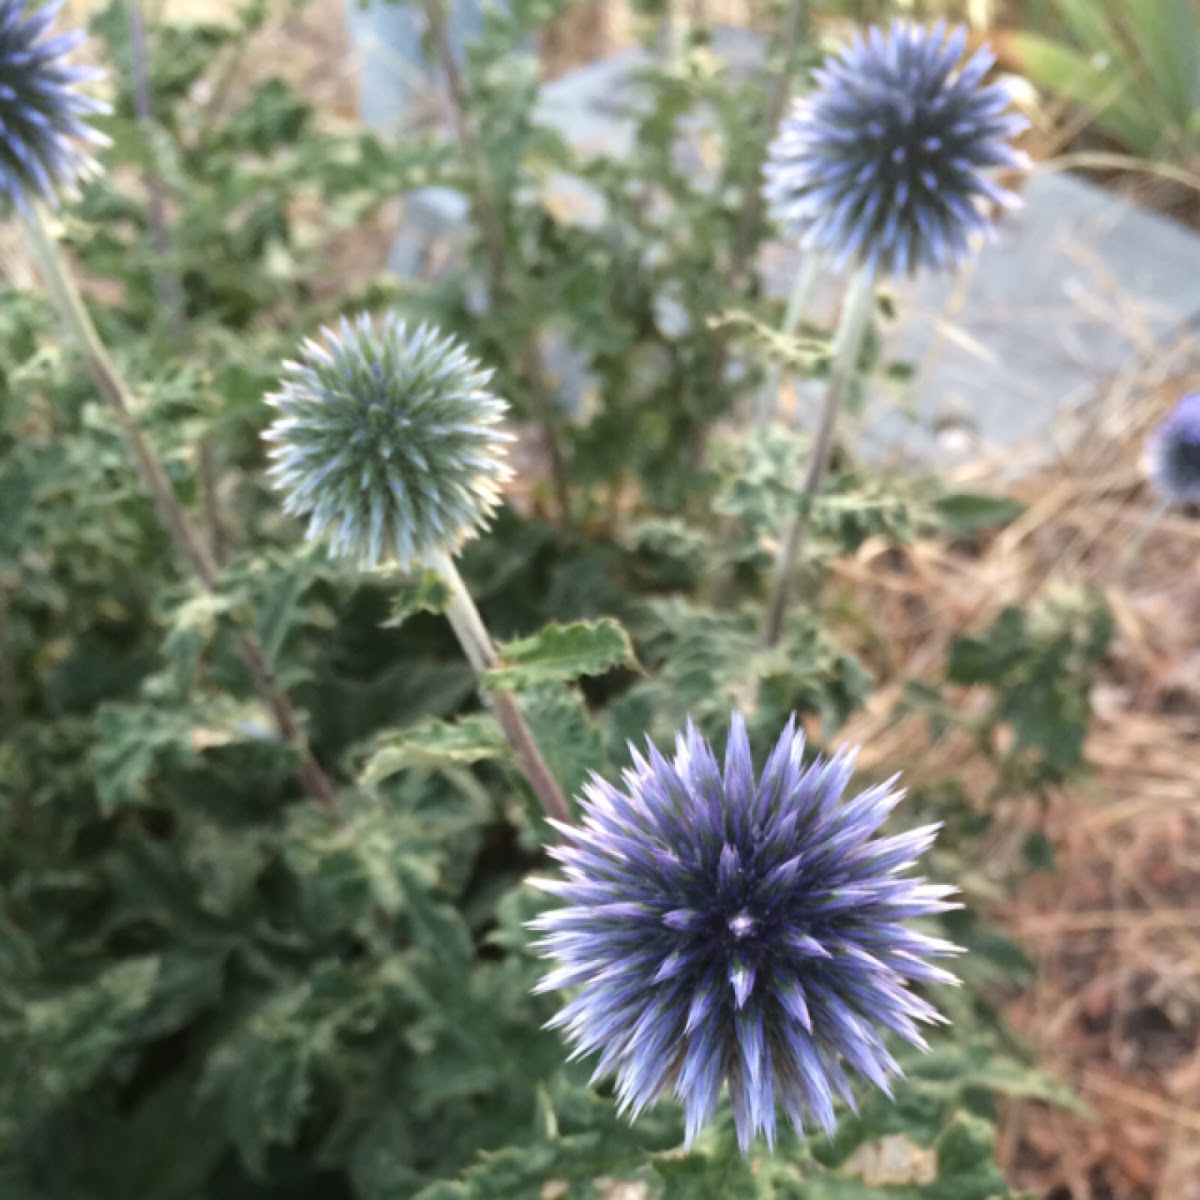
[[797, 305], [852, 327], [167, 285], [672, 34], [485, 201], [767, 400], [793, 34], [481, 653], [170, 512]]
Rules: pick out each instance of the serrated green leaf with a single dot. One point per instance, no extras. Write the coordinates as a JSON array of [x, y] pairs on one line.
[[264, 1074], [425, 591], [137, 744], [725, 1171], [566, 733], [435, 743], [560, 653], [348, 868], [964, 513], [74, 1032], [1009, 1077], [135, 741], [1041, 661]]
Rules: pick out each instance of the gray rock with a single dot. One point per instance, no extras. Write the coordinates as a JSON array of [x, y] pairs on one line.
[[1076, 286]]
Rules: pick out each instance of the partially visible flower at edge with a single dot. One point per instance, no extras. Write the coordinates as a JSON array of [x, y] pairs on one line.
[[1173, 452], [886, 161], [45, 137], [386, 438], [727, 931]]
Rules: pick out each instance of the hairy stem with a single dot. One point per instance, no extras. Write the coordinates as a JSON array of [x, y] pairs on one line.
[[10, 685], [672, 30], [550, 421], [794, 31], [166, 283], [798, 301], [855, 318], [767, 402], [499, 282], [740, 259], [481, 653], [187, 543], [468, 137], [167, 286]]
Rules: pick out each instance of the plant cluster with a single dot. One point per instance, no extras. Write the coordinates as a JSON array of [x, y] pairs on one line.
[[1131, 67], [281, 904]]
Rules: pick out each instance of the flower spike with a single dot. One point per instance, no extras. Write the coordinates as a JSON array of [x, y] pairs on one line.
[[1173, 453], [386, 438], [886, 162], [723, 930], [45, 137]]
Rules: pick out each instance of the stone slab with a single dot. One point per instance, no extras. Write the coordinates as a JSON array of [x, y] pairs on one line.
[[1077, 286]]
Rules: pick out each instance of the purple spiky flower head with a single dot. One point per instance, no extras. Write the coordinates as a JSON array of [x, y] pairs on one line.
[[727, 931], [45, 137], [1173, 452], [386, 438], [886, 161]]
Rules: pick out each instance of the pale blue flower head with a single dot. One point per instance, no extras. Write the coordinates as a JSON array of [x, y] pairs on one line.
[[722, 931], [45, 137], [386, 438], [887, 161], [1174, 452]]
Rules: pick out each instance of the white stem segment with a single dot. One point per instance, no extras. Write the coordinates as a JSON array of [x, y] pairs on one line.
[[847, 342], [797, 306], [481, 653]]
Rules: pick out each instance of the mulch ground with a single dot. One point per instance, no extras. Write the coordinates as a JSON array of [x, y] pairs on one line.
[[1114, 929]]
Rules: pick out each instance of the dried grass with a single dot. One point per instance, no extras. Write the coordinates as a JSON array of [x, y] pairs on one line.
[[1115, 930]]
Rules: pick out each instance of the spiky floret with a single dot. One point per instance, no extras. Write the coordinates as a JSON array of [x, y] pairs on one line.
[[722, 931], [45, 137], [1173, 452], [886, 161], [386, 438]]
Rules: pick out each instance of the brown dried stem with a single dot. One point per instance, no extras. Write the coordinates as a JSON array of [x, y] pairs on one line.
[[190, 547]]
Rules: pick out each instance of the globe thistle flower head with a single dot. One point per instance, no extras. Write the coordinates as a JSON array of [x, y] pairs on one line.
[[45, 137], [1173, 452], [886, 161], [386, 438], [727, 931]]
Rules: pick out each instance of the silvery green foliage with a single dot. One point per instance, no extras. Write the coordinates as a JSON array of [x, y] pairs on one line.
[[387, 439], [1174, 452], [258, 997], [44, 131], [886, 161], [728, 931]]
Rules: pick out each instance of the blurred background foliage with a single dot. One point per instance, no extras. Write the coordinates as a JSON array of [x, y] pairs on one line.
[[210, 987]]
